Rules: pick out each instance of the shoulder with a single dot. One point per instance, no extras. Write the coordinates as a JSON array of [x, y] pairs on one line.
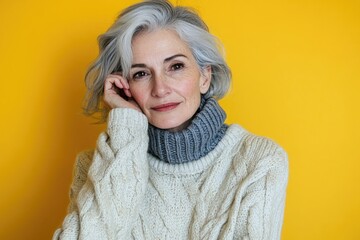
[[259, 152]]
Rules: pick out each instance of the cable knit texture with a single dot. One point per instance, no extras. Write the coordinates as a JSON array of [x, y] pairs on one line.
[[119, 191], [203, 134]]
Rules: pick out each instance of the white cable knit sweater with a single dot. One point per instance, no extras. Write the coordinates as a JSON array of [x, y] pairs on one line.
[[119, 191]]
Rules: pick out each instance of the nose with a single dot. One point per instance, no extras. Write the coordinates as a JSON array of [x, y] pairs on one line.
[[160, 87]]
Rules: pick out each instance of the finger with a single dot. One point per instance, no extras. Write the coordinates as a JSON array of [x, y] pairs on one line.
[[112, 83], [127, 93], [108, 85], [126, 86], [124, 82], [118, 83]]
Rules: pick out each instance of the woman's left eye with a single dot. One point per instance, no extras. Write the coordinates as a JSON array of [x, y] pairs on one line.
[[177, 66]]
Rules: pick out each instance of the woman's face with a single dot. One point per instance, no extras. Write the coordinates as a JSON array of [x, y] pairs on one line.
[[165, 79]]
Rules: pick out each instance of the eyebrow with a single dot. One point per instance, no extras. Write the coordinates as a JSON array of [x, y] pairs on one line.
[[174, 56], [142, 65]]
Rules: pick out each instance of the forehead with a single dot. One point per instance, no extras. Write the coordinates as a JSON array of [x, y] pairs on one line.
[[158, 45]]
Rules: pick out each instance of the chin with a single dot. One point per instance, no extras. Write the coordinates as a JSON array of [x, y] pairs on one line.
[[171, 126]]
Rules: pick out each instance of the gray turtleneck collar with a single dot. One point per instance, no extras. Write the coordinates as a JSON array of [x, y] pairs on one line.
[[202, 135]]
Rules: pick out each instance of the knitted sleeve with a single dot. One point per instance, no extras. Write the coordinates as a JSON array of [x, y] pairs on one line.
[[108, 202], [265, 196], [266, 215], [80, 170]]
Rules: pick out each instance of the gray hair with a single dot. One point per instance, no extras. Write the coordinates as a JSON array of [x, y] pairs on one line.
[[116, 53]]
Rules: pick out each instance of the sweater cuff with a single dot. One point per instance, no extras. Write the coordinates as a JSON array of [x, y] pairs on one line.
[[126, 123]]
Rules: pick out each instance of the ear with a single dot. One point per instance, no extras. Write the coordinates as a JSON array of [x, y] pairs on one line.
[[205, 79]]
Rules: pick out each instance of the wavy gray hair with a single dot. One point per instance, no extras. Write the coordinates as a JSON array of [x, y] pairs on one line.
[[116, 54]]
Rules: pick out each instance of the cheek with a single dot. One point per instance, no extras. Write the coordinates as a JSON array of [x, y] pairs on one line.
[[191, 90], [138, 94], [192, 85]]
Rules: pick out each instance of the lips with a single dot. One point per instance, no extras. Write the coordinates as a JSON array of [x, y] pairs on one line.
[[165, 107]]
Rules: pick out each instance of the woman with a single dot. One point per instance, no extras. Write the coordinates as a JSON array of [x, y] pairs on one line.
[[168, 167]]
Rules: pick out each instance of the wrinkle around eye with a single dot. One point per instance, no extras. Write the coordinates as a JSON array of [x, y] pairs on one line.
[[177, 66], [139, 75]]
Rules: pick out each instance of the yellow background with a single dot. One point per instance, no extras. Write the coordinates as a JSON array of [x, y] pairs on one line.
[[296, 71]]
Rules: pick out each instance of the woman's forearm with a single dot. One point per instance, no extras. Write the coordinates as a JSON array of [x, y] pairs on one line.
[[115, 184]]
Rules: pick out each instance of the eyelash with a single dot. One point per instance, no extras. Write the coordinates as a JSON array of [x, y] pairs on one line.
[[177, 66], [141, 74]]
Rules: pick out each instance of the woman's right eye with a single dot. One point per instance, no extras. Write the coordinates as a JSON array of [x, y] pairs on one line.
[[139, 75]]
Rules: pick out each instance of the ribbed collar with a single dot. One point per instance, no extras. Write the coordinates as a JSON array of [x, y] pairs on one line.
[[199, 138]]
